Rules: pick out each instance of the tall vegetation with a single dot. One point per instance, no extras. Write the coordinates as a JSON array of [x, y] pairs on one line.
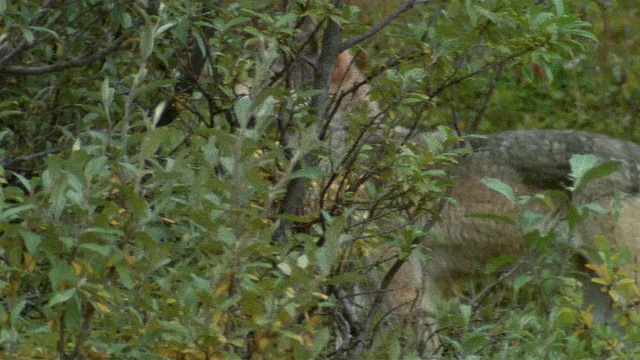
[[172, 188]]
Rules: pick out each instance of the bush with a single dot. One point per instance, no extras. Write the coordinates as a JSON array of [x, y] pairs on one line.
[[150, 210]]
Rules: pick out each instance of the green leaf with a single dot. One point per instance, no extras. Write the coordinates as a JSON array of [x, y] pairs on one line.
[[162, 29], [285, 268], [541, 19], [471, 12], [415, 97], [312, 173], [499, 263], [294, 218], [146, 41], [73, 315], [475, 342], [466, 312], [14, 212], [175, 327], [95, 167], [303, 261], [434, 144], [321, 340], [229, 303], [559, 4], [242, 109], [105, 231], [227, 236], [151, 142], [61, 297], [285, 20], [7, 113], [595, 208], [585, 168], [28, 35], [580, 164], [46, 30], [26, 183], [125, 276], [31, 240], [61, 273], [521, 281], [489, 15], [500, 187], [99, 249], [586, 34], [107, 95], [15, 312]]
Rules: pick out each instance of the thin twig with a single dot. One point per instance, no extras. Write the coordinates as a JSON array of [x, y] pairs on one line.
[[364, 337], [479, 298], [377, 28], [460, 79], [8, 161], [454, 113], [485, 104], [62, 65], [296, 189]]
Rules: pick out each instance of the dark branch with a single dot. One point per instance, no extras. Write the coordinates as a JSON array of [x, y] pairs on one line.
[[62, 65], [460, 79], [9, 161], [296, 190], [473, 127], [377, 28]]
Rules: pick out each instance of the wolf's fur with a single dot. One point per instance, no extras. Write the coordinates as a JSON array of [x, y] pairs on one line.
[[350, 88], [530, 162]]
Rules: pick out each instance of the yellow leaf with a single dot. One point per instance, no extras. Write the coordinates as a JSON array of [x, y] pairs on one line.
[[591, 266], [290, 292], [615, 296], [262, 342], [321, 295], [103, 308], [130, 259], [314, 320], [308, 341], [27, 262], [296, 337], [167, 220], [77, 267], [622, 272], [222, 288]]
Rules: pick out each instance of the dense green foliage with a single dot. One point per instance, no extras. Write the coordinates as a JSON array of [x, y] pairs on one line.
[[120, 238]]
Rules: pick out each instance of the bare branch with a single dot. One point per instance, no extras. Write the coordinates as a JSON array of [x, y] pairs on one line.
[[62, 65], [377, 28], [480, 297], [365, 337], [454, 114], [473, 127], [454, 81], [9, 161], [296, 190], [23, 43]]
